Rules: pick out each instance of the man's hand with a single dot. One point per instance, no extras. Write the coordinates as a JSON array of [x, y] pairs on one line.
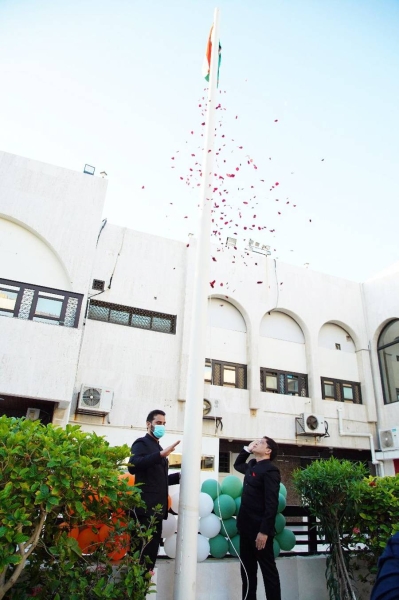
[[164, 453], [252, 445], [260, 541]]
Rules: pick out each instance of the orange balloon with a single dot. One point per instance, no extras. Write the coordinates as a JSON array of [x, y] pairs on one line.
[[88, 541], [120, 516], [169, 502], [104, 532], [74, 533], [120, 545], [130, 478], [94, 523]]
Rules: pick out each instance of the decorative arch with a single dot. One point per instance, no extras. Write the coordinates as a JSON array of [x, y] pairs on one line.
[[338, 361], [388, 359], [335, 332], [227, 329]]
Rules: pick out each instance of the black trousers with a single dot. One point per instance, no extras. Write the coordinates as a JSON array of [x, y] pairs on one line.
[[150, 551], [250, 557]]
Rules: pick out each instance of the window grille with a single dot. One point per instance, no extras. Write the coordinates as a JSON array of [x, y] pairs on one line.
[[340, 390], [283, 382], [226, 374], [131, 317], [224, 462]]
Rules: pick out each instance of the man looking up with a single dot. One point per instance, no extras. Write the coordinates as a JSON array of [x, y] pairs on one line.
[[256, 517], [149, 464]]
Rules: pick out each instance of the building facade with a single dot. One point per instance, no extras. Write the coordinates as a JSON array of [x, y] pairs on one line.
[[95, 329]]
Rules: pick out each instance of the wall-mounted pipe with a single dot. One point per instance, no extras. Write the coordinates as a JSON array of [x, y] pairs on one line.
[[367, 435]]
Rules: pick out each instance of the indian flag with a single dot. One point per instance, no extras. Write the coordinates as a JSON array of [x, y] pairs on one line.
[[206, 67]]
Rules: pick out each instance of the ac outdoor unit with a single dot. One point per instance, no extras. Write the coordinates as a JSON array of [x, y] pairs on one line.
[[211, 408], [95, 400], [33, 414], [310, 424], [389, 438]]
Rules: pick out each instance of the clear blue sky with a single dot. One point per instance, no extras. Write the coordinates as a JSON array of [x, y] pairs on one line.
[[117, 85]]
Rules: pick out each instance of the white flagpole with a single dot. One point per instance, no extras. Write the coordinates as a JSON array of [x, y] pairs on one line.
[[187, 531]]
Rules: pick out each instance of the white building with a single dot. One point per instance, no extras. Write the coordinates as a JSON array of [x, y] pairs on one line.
[[298, 343]]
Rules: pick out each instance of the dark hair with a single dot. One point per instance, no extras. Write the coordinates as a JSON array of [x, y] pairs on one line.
[[273, 447], [153, 413]]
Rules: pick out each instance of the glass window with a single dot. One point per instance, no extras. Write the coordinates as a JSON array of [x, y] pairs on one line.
[[207, 463], [348, 391], [47, 307], [99, 313], [8, 299], [208, 371], [141, 321], [271, 381], [390, 334], [329, 390], [229, 376], [388, 352], [119, 316], [292, 385], [160, 324]]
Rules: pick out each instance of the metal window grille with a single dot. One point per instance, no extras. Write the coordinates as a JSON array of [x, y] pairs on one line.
[[98, 284], [338, 390], [282, 382], [240, 378], [218, 374], [224, 462], [131, 317]]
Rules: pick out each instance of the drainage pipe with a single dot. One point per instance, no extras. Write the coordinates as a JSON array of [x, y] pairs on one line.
[[342, 433]]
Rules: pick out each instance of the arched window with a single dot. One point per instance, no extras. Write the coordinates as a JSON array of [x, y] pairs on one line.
[[388, 356]]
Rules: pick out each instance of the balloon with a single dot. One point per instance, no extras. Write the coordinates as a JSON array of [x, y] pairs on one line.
[[238, 504], [218, 546], [210, 526], [229, 527], [286, 539], [170, 546], [118, 546], [234, 545], [169, 526], [282, 503], [74, 533], [88, 541], [129, 477], [175, 502], [119, 517], [232, 486], [283, 490], [279, 523], [202, 548], [211, 487], [205, 504], [276, 548], [224, 506], [169, 502]]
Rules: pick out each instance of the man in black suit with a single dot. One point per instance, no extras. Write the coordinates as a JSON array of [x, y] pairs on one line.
[[149, 464], [256, 517]]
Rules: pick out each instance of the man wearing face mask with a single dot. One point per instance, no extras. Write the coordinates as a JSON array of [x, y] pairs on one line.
[[149, 464]]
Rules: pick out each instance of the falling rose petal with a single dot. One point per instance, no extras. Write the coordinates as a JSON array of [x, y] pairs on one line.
[[237, 168], [279, 213], [187, 245], [259, 281], [277, 183], [212, 283], [276, 120], [214, 259], [142, 187], [173, 158], [310, 220], [203, 123], [221, 285]]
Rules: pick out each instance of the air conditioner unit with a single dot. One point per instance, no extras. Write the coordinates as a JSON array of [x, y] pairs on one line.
[[95, 400], [211, 408], [389, 438], [310, 424], [33, 414]]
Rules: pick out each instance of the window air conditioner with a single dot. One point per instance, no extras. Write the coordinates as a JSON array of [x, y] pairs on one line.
[[211, 408], [310, 424], [95, 400], [389, 438]]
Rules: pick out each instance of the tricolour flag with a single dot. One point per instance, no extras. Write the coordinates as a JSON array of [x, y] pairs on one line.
[[206, 67]]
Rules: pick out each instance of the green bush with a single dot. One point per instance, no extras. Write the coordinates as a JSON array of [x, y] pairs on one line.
[[47, 475]]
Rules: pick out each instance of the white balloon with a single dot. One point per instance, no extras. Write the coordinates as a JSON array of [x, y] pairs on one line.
[[205, 504], [170, 546], [169, 526], [210, 525], [175, 502], [203, 548]]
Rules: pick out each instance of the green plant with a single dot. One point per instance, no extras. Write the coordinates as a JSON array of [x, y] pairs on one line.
[[328, 488], [47, 475]]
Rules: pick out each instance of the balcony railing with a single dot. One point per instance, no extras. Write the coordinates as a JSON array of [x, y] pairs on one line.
[[39, 303]]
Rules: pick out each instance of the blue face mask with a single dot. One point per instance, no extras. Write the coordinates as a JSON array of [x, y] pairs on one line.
[[158, 431]]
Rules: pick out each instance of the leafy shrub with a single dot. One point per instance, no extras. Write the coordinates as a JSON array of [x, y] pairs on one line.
[[47, 475]]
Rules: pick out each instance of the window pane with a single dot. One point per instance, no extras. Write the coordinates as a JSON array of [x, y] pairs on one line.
[[208, 372], [100, 313], [48, 308], [229, 376], [240, 378], [47, 321], [3, 313], [119, 316], [224, 462], [161, 324], [389, 367], [141, 321], [292, 385], [271, 381], [8, 299], [390, 334], [217, 374], [329, 389], [348, 391]]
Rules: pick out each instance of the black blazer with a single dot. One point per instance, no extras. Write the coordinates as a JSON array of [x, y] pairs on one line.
[[259, 501], [151, 470]]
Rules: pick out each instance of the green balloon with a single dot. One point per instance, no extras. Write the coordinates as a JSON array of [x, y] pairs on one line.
[[229, 527], [232, 486], [276, 548], [238, 504], [286, 539], [279, 523], [224, 506], [283, 490], [282, 503], [211, 487], [234, 545], [218, 546]]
